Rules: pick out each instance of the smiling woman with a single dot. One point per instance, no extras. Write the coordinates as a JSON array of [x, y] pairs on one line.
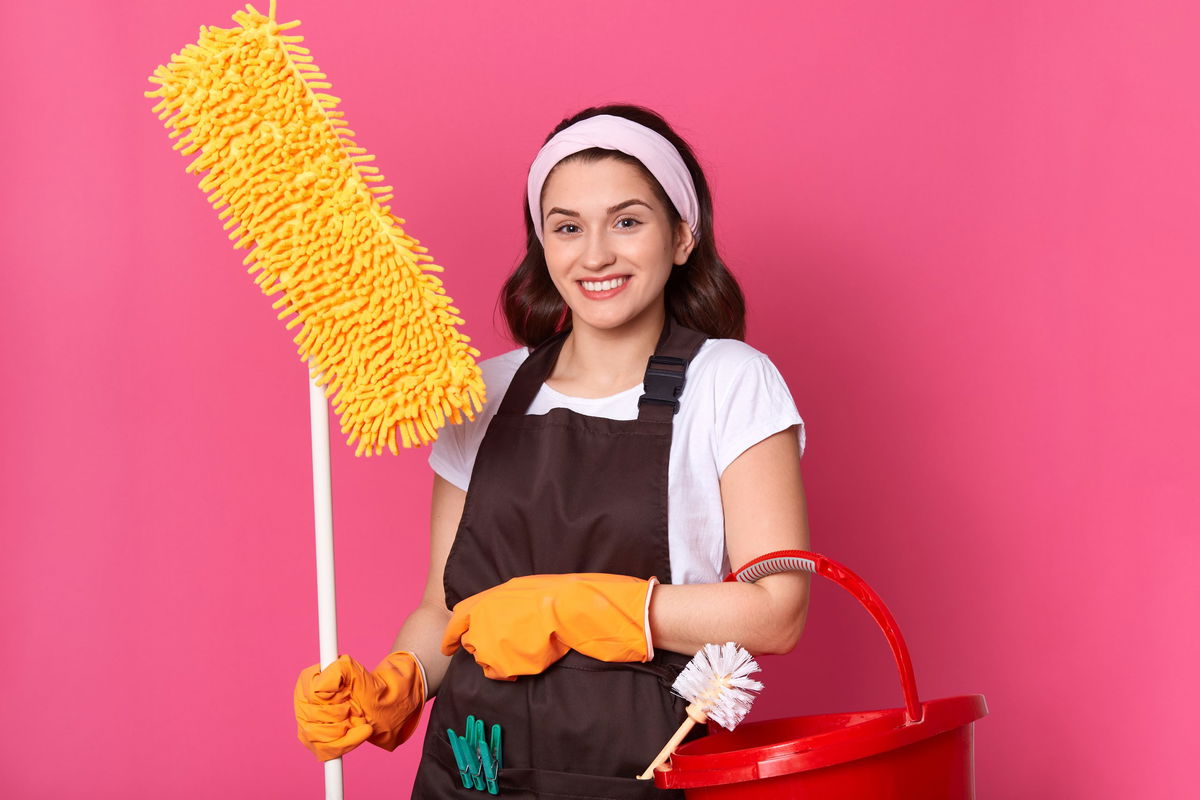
[[630, 450]]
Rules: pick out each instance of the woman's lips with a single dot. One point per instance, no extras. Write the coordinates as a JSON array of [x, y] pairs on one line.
[[603, 294]]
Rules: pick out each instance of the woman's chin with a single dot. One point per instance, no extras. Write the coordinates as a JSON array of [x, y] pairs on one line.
[[611, 323]]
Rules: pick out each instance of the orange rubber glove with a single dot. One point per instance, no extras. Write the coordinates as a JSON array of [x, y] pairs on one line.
[[340, 707], [526, 624]]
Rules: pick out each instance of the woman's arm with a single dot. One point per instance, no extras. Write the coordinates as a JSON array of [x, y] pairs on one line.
[[422, 631], [763, 500]]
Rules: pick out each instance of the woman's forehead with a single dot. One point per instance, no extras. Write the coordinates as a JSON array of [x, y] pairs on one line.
[[591, 185]]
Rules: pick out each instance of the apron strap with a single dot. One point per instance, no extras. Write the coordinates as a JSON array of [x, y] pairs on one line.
[[531, 374], [663, 381], [667, 370]]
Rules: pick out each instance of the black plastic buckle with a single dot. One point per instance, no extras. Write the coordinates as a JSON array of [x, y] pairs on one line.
[[664, 385]]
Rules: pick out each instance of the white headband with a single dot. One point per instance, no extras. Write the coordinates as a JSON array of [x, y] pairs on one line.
[[611, 132]]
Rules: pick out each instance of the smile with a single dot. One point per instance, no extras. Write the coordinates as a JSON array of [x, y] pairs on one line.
[[604, 286]]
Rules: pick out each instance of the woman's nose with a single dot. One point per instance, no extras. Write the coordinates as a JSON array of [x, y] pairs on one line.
[[599, 252]]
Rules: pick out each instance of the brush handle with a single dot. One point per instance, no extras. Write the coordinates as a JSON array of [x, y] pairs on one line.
[[318, 415], [665, 753]]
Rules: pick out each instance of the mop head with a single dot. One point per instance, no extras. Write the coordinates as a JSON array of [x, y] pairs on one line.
[[717, 681], [376, 326]]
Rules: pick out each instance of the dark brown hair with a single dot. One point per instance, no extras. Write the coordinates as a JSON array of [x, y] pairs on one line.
[[701, 293]]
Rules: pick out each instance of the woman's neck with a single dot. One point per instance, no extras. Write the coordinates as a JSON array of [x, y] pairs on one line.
[[597, 362]]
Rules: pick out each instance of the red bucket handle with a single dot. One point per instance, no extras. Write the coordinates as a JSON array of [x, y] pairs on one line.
[[802, 560]]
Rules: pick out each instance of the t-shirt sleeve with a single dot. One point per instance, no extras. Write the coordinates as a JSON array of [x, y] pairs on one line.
[[757, 404], [447, 455]]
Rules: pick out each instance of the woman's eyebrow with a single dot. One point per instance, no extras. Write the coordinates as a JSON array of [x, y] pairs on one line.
[[613, 210]]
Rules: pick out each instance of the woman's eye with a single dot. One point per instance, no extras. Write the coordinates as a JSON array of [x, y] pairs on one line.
[[564, 227]]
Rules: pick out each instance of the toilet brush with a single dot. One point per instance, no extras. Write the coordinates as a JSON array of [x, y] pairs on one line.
[[716, 685]]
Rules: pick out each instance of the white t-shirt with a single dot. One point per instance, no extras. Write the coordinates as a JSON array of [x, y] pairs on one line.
[[733, 398]]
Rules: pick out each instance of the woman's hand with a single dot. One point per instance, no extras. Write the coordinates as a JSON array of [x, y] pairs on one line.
[[523, 626], [340, 707]]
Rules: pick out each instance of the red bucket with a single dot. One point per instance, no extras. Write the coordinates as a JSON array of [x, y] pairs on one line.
[[923, 750]]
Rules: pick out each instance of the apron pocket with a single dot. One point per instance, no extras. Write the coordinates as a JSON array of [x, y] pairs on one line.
[[542, 784], [545, 784]]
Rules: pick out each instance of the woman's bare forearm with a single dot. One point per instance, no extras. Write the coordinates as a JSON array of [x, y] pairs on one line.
[[421, 634], [763, 617]]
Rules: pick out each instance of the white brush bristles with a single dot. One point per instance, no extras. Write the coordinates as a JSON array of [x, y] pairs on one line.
[[717, 681]]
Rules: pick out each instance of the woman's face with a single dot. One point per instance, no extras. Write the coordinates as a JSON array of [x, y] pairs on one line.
[[608, 241]]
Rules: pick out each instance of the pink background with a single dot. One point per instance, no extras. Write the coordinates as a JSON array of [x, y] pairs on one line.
[[968, 237]]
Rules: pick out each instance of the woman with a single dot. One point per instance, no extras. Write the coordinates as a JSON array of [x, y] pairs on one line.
[[628, 454]]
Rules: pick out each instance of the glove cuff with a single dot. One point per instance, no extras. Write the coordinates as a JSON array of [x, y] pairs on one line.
[[421, 670], [649, 639]]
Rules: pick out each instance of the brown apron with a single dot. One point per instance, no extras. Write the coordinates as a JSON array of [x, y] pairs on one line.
[[564, 492]]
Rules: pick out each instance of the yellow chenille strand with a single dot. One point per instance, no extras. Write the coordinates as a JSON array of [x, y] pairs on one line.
[[376, 326]]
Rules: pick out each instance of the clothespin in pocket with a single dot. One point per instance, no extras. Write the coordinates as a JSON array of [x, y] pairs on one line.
[[494, 758], [459, 758], [490, 766]]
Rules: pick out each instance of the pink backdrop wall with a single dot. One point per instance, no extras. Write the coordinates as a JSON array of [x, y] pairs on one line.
[[967, 233]]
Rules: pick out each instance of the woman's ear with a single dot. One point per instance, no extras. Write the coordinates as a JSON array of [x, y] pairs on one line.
[[685, 242]]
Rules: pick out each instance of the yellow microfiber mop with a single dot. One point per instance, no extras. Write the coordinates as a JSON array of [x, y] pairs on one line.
[[376, 326]]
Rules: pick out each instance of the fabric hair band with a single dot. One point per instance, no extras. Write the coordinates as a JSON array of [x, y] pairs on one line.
[[611, 132]]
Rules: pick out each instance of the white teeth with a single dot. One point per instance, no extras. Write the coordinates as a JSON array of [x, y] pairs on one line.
[[601, 286]]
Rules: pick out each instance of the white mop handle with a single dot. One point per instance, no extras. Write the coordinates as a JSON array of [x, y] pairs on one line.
[[318, 409]]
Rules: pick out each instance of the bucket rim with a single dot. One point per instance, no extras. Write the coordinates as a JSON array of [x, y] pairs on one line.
[[686, 770]]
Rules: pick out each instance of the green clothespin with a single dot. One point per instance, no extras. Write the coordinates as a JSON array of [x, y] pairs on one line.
[[458, 759], [479, 741], [473, 765], [493, 786], [469, 744], [489, 769]]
